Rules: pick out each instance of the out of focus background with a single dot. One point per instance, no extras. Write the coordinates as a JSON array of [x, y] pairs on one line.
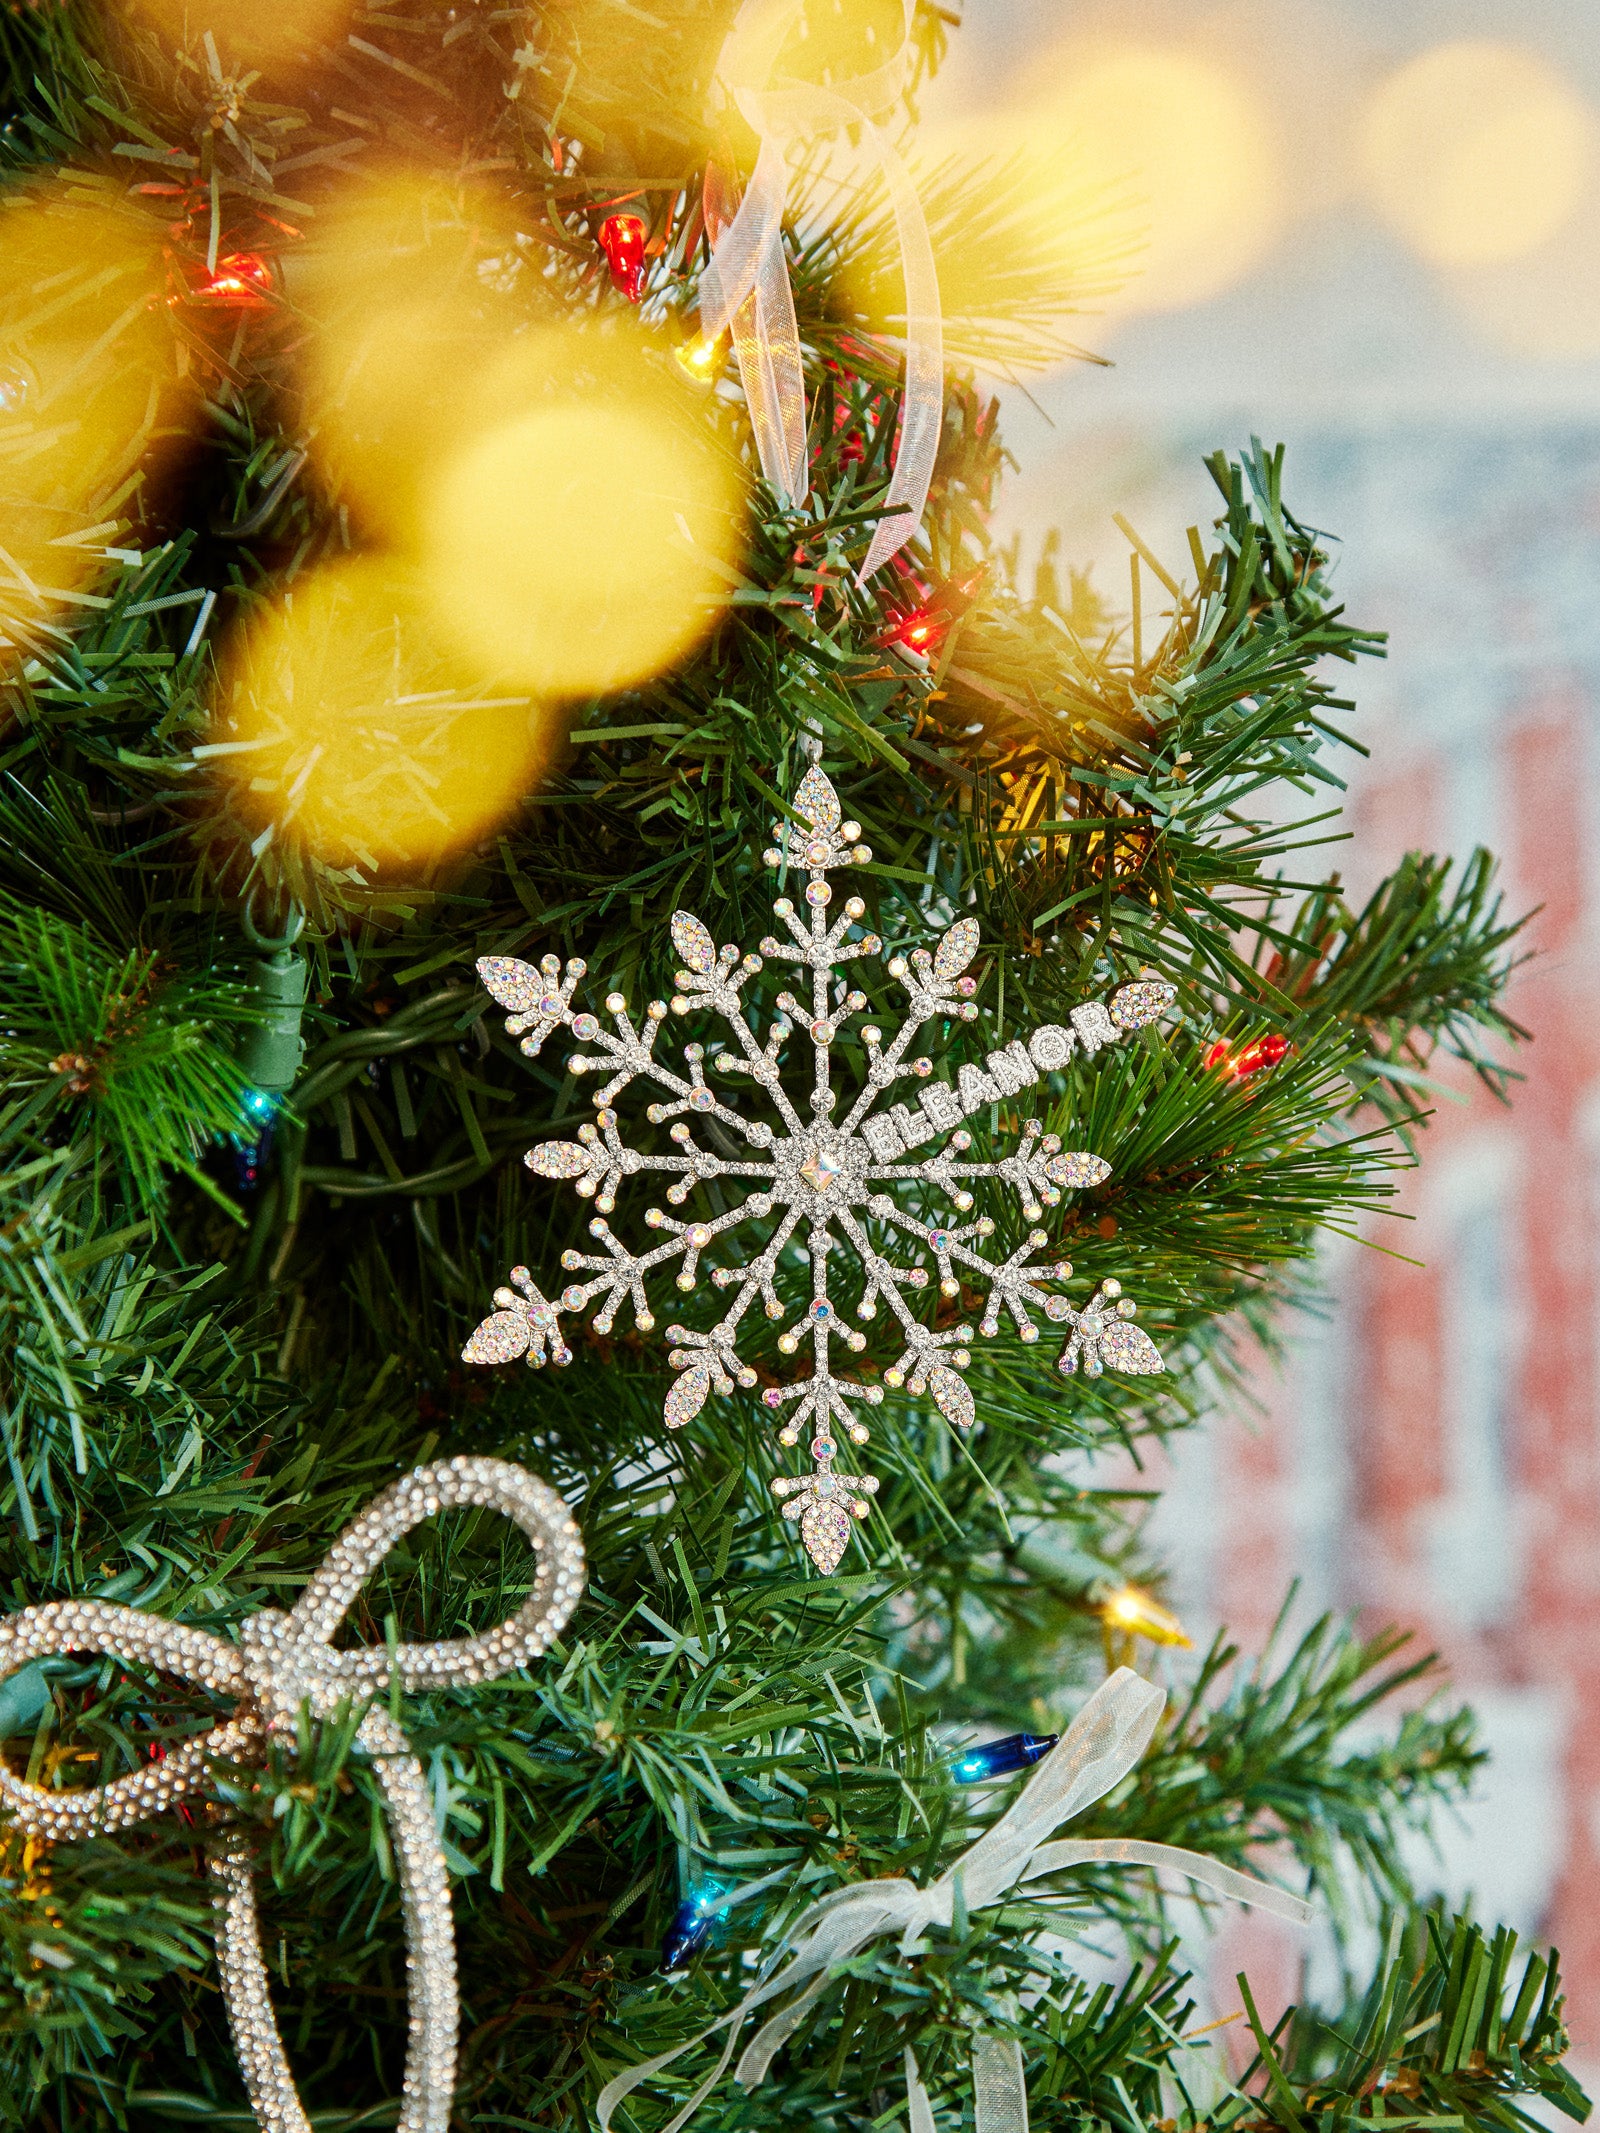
[[1374, 235]]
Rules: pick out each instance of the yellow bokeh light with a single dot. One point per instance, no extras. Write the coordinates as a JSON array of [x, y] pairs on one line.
[[576, 541], [257, 31], [407, 288], [1544, 304], [1027, 232], [86, 360], [1476, 152], [570, 517], [1188, 145], [344, 729]]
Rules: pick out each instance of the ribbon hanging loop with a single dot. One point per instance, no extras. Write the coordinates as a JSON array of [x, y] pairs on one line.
[[745, 289], [1100, 1748]]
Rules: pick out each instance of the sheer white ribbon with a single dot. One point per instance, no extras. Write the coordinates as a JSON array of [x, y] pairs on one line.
[[1103, 1744], [282, 1664], [745, 286]]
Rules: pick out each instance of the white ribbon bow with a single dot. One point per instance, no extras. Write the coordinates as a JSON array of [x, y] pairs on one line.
[[281, 1663], [745, 286], [1104, 1742]]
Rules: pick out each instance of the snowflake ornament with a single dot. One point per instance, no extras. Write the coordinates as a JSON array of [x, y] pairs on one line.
[[846, 1185]]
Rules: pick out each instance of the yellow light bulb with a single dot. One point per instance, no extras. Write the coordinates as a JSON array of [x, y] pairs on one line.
[[1138, 1615], [700, 359]]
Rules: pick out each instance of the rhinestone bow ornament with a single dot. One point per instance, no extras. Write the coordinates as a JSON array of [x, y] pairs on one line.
[[282, 1664], [835, 1202]]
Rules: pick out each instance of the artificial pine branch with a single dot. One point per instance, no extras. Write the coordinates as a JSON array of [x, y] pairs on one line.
[[193, 1408]]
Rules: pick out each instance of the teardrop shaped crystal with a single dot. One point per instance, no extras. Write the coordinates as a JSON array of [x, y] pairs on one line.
[[825, 1529], [500, 1339], [1076, 1168], [557, 1159], [1143, 1002], [951, 1397], [693, 943], [515, 985], [957, 949], [687, 1395], [817, 801], [1125, 1347]]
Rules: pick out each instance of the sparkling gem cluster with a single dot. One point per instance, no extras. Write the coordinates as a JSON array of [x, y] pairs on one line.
[[832, 1180]]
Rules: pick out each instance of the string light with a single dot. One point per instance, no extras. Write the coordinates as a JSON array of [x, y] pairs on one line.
[[622, 241], [239, 278], [998, 1758], [1128, 1614], [691, 1925], [700, 359], [1256, 1057], [923, 628], [251, 1148]]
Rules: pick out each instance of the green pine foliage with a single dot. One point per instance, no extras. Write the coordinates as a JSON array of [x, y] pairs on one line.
[[215, 1350]]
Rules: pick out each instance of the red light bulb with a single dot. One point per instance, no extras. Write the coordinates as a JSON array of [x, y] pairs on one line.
[[923, 629], [239, 278], [1251, 1059], [1257, 1057], [622, 241]]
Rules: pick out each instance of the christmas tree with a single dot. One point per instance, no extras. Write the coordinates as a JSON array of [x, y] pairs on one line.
[[402, 572]]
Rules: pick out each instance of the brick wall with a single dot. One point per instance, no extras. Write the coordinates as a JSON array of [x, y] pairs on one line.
[[1431, 1456]]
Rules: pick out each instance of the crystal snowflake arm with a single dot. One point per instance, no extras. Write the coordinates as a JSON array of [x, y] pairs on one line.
[[935, 985], [710, 1358], [540, 1000], [619, 1274], [625, 1056], [884, 1278], [930, 1364], [596, 1163], [817, 944], [523, 1325], [1102, 1339], [1039, 1170], [822, 1400], [705, 1362], [1014, 1287], [759, 1277], [712, 980]]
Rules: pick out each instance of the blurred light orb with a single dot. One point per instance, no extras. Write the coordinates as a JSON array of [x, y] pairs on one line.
[[258, 31], [1043, 235], [1476, 152], [1543, 305], [404, 288], [348, 735], [575, 546], [1187, 144], [87, 376]]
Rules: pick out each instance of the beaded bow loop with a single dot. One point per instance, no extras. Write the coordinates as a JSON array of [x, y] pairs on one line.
[[286, 1662]]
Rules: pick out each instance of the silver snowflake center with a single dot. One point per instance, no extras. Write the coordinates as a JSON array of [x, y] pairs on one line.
[[822, 1165], [818, 1191]]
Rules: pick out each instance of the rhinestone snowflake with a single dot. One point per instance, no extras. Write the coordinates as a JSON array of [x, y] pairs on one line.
[[820, 1186]]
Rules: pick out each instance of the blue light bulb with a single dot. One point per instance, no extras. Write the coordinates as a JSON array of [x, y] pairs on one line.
[[999, 1758], [691, 1925], [251, 1147]]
